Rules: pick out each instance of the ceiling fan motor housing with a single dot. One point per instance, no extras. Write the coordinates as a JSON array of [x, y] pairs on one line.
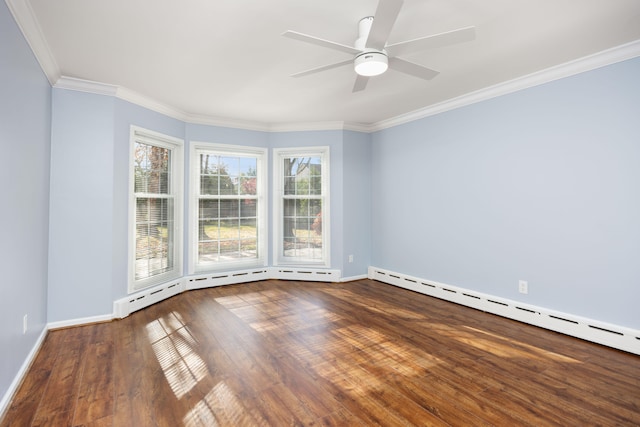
[[364, 26], [371, 63]]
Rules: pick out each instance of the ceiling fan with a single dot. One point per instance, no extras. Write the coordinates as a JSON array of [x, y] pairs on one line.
[[371, 53]]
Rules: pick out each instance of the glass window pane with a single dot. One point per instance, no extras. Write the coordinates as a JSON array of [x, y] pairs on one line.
[[229, 208], [208, 230], [228, 185], [290, 166], [229, 249], [302, 186], [142, 210], [208, 251], [316, 225], [248, 228], [248, 208], [230, 228], [248, 185], [248, 166], [140, 180], [141, 167], [301, 207], [289, 185], [208, 164], [209, 185], [230, 165], [209, 209], [315, 185], [249, 247]]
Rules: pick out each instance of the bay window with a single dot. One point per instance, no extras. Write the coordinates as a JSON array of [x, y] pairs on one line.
[[155, 209]]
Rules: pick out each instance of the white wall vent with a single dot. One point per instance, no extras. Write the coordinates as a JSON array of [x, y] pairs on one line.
[[306, 274], [125, 306], [591, 330], [227, 278]]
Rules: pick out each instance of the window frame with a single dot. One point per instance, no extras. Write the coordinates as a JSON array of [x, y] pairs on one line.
[[262, 220], [279, 154], [176, 185]]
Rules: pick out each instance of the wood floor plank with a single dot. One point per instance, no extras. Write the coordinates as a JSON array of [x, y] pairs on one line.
[[278, 406], [96, 394], [274, 353], [341, 417], [59, 400], [434, 401], [28, 397]]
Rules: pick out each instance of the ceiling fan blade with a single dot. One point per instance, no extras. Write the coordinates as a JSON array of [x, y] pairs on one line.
[[320, 42], [412, 69], [386, 15], [360, 84], [323, 68], [437, 40]]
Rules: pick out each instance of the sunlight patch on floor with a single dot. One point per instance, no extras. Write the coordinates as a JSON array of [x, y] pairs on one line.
[[219, 407], [175, 350], [373, 304], [527, 348], [286, 313]]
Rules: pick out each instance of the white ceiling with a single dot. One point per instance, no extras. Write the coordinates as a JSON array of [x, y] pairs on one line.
[[226, 59]]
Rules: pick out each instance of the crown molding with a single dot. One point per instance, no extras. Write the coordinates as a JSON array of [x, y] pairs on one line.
[[588, 63], [28, 23], [317, 126], [150, 103], [202, 119], [88, 86], [358, 127], [591, 62]]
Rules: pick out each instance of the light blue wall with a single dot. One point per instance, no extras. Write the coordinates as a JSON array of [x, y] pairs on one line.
[[25, 129], [81, 208], [356, 203], [541, 185]]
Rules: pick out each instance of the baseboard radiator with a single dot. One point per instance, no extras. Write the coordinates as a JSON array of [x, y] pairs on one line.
[[622, 338], [139, 300]]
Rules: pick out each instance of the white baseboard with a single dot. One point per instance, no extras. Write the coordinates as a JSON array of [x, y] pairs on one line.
[[615, 336], [306, 274], [79, 321], [263, 273], [210, 280], [136, 301], [353, 278], [17, 380]]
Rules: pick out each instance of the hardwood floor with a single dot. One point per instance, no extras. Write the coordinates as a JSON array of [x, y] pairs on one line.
[[277, 353]]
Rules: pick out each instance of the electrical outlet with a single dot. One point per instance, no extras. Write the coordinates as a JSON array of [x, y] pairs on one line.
[[523, 287], [24, 324], [350, 258]]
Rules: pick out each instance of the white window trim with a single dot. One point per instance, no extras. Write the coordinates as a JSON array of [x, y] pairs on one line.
[[278, 155], [194, 192], [177, 183]]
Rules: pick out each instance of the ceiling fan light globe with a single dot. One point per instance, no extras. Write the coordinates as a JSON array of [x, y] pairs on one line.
[[371, 64]]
